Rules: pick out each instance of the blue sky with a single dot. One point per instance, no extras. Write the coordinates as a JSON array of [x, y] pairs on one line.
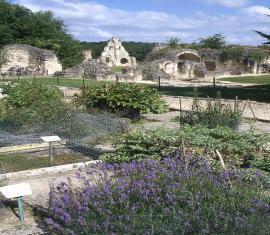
[[158, 20]]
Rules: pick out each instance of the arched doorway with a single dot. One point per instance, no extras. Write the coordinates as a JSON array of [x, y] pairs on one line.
[[189, 56]]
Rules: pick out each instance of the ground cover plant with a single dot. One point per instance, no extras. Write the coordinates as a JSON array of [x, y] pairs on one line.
[[241, 149], [129, 100], [213, 115], [175, 196]]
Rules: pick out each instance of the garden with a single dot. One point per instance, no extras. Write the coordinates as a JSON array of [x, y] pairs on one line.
[[204, 177]]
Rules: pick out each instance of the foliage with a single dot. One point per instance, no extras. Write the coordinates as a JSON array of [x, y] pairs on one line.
[[176, 196], [130, 100], [213, 115], [173, 42], [29, 102], [41, 29], [264, 35], [136, 49], [216, 41], [232, 53], [242, 149]]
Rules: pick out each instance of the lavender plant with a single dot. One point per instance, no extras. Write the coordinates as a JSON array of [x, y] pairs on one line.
[[176, 196]]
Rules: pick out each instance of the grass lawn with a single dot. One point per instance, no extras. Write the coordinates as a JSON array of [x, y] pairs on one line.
[[76, 83], [264, 79], [260, 92]]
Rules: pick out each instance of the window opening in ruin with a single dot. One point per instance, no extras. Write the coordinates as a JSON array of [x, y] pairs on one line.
[[181, 67], [210, 65], [123, 61]]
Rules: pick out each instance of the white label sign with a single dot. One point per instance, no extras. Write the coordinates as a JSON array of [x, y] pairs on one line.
[[51, 138], [16, 190]]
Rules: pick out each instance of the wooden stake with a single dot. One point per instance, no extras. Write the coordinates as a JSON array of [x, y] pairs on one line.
[[221, 160]]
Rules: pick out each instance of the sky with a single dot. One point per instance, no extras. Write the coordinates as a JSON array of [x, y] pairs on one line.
[[159, 20]]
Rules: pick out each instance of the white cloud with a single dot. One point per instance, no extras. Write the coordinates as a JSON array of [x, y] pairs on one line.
[[92, 21], [228, 3], [257, 10]]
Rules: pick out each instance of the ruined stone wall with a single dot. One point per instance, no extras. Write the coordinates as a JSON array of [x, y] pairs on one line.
[[28, 60], [204, 63]]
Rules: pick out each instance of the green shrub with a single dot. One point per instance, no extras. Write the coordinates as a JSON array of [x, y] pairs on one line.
[[129, 100], [29, 102], [242, 149], [236, 54], [213, 115]]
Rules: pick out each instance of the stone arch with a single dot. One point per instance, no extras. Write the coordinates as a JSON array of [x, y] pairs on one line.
[[189, 56], [168, 67], [124, 61], [210, 65]]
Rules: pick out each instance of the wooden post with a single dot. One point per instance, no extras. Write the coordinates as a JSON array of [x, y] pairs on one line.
[[214, 82], [117, 79], [159, 85], [51, 153], [57, 77], [180, 112], [83, 81], [236, 104]]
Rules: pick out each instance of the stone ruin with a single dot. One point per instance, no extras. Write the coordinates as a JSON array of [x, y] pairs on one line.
[[114, 54], [26, 60], [204, 63], [88, 70]]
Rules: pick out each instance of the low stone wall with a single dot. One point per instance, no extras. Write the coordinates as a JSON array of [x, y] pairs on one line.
[[260, 110]]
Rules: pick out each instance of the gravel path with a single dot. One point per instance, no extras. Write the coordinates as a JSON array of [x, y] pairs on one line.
[[261, 110]]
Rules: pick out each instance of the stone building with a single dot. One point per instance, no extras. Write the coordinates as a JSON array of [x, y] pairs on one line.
[[114, 54], [203, 63], [17, 59], [89, 70]]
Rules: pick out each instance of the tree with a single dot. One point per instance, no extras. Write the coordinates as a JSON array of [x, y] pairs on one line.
[[217, 41], [264, 35], [41, 29], [173, 42]]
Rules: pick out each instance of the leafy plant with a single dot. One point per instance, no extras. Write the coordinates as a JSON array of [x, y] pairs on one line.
[[217, 41], [130, 100], [241, 149], [29, 102], [213, 115], [175, 196]]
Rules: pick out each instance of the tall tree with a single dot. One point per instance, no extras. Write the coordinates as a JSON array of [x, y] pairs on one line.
[[42, 29]]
